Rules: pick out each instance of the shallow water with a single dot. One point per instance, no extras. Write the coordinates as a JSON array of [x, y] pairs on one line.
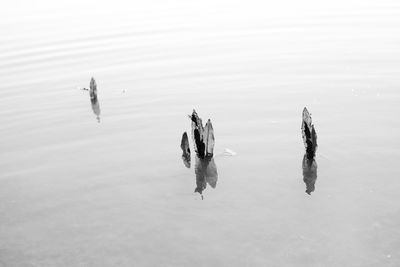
[[78, 192]]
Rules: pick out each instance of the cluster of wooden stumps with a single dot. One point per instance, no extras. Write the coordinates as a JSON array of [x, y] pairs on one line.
[[203, 144], [309, 164]]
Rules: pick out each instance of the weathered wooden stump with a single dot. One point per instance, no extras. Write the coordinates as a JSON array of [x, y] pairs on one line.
[[93, 89], [203, 137], [203, 144], [93, 99], [309, 134], [185, 150]]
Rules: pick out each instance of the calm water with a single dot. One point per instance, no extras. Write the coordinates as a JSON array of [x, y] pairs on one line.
[[78, 192]]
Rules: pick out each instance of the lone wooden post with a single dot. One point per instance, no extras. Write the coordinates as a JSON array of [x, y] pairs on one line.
[[309, 134], [93, 89], [93, 99]]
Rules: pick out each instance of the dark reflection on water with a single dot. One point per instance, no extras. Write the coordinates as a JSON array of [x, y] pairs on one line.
[[206, 173], [186, 160], [96, 107], [309, 173]]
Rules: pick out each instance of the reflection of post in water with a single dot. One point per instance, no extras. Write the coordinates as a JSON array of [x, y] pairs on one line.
[[206, 173], [93, 99], [309, 173], [96, 107]]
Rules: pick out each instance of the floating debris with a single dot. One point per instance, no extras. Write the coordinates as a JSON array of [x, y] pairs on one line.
[[309, 173], [185, 150], [309, 134], [203, 137], [228, 152]]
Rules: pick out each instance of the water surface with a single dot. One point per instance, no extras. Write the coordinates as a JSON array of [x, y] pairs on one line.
[[76, 192]]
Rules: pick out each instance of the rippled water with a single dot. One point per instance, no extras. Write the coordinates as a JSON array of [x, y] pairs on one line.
[[76, 190]]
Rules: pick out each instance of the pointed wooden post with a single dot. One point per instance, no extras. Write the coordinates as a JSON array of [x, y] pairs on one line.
[[93, 98], [93, 89], [209, 139], [309, 134]]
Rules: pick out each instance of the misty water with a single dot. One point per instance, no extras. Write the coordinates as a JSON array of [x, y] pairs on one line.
[[102, 183]]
